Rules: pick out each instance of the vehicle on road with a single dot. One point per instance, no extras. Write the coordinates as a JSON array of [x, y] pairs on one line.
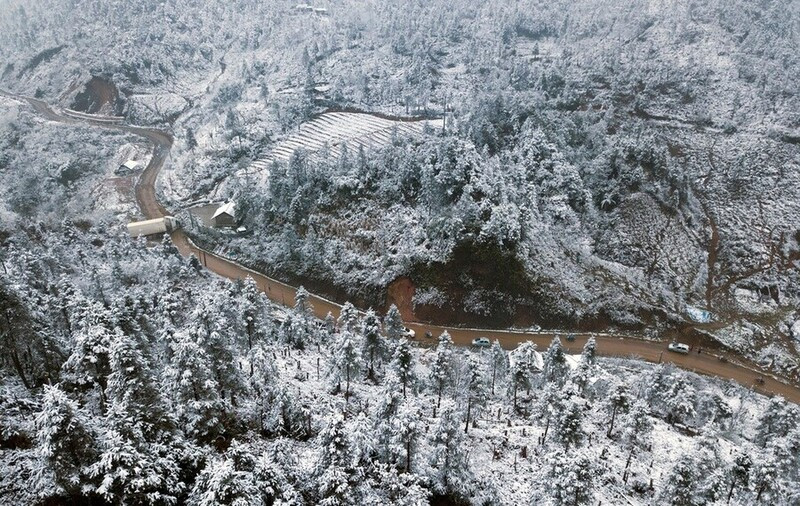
[[154, 226], [679, 348], [408, 333], [481, 342], [429, 334], [571, 337]]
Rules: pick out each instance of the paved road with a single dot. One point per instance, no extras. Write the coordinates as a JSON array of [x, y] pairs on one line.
[[736, 369]]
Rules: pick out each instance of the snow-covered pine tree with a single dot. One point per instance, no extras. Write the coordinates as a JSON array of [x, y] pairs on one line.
[[499, 361], [589, 354], [638, 425], [523, 368], [404, 366], [228, 480], [680, 401], [570, 476], [273, 484], [777, 421], [141, 455], [87, 367], [66, 445], [738, 474], [618, 401], [442, 368], [302, 305], [335, 482], [346, 360], [555, 368], [568, 426], [393, 323], [348, 318], [252, 313], [193, 389], [474, 389], [400, 488], [407, 430], [449, 460], [374, 345]]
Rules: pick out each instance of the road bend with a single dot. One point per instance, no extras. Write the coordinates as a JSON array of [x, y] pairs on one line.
[[728, 367]]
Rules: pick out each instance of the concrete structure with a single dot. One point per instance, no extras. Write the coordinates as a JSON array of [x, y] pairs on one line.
[[224, 216], [151, 227]]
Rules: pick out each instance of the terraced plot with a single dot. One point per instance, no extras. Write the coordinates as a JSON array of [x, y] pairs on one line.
[[338, 129]]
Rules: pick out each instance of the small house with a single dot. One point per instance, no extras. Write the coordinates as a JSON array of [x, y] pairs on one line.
[[224, 216], [128, 167]]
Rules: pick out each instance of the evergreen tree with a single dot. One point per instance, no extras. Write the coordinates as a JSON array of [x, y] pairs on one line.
[[335, 478], [638, 425], [330, 324], [346, 360], [407, 431], [570, 478], [193, 388], [348, 318], [680, 486], [589, 354], [400, 489], [302, 306], [272, 482], [374, 346], [403, 365], [474, 389], [285, 416], [776, 422], [451, 473], [262, 381], [252, 312], [618, 401], [523, 368], [65, 443], [680, 402], [228, 480], [442, 368], [499, 361], [141, 456], [739, 473], [88, 366], [568, 429], [388, 406], [393, 323], [555, 368]]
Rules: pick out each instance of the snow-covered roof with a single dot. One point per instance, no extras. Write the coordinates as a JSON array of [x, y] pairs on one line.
[[131, 164], [226, 208]]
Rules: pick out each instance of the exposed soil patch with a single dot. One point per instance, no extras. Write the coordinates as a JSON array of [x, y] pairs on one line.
[[99, 96], [400, 292]]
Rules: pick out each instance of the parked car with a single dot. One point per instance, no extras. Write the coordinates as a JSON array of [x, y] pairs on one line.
[[408, 333], [429, 334], [679, 348], [481, 342], [570, 337]]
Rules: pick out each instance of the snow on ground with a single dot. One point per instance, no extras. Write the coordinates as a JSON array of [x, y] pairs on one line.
[[336, 131]]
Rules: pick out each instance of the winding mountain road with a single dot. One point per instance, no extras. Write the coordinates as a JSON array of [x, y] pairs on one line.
[[734, 368]]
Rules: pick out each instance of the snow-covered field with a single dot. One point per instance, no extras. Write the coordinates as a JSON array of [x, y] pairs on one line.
[[337, 131]]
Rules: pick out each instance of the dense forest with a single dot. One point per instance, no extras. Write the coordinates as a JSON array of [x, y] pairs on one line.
[[596, 165]]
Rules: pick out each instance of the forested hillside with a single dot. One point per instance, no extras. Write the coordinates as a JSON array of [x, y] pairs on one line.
[[131, 376], [594, 165]]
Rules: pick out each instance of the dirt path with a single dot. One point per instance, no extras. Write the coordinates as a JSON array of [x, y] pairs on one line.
[[736, 368]]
